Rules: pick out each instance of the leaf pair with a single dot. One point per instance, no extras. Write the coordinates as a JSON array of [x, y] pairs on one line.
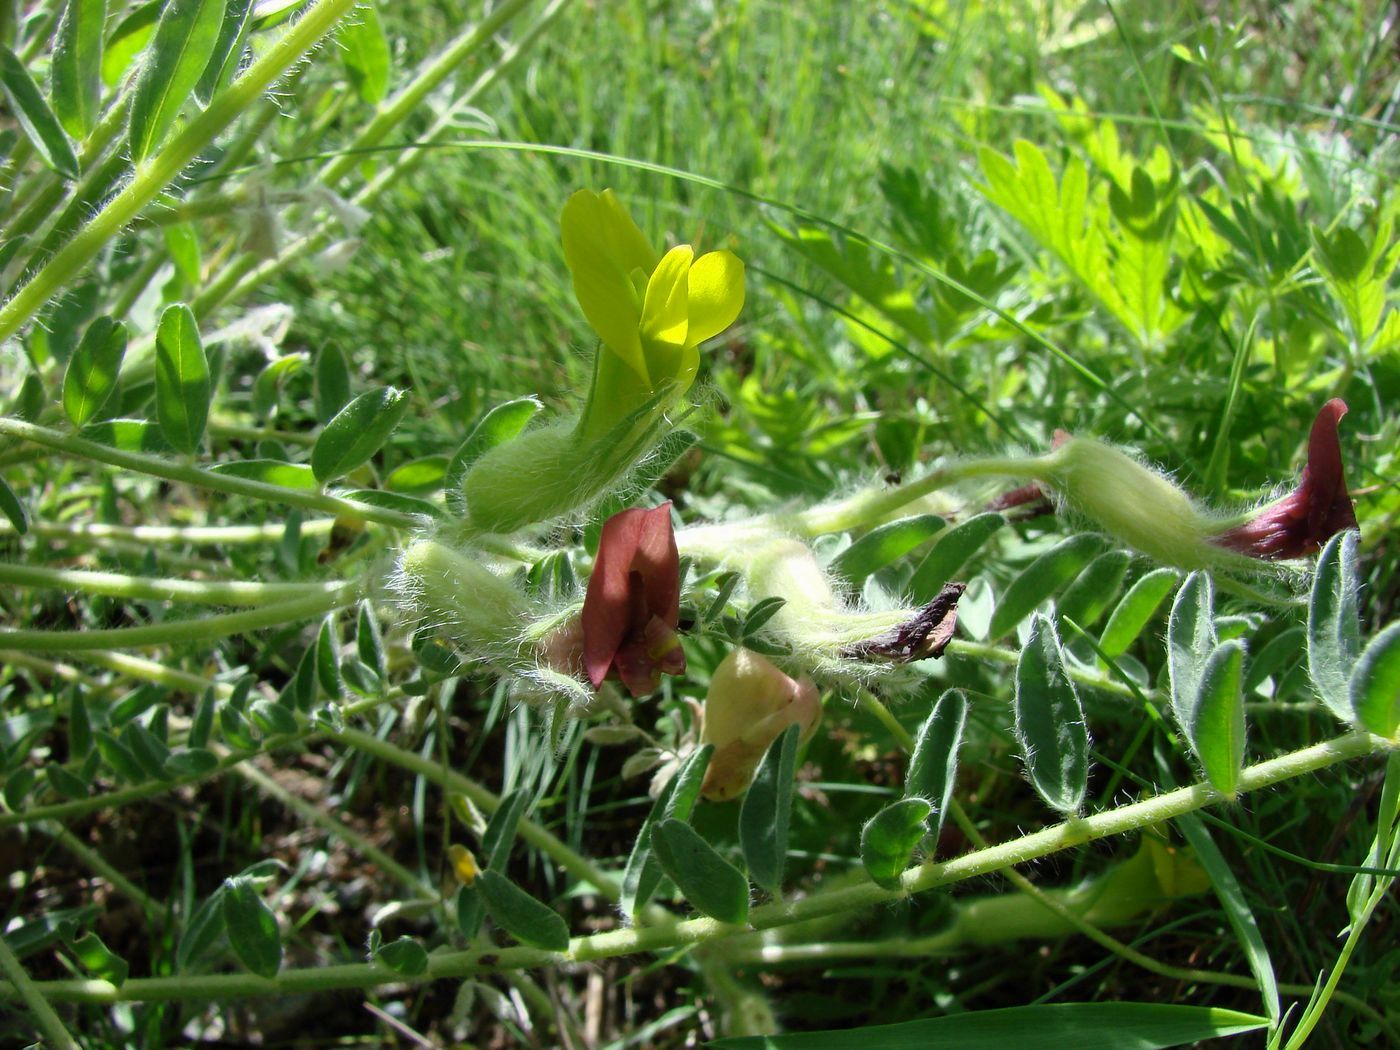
[[1207, 689]]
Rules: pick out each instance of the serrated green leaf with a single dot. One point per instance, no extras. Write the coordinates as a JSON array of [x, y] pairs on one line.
[[884, 546], [29, 107], [1050, 724], [12, 508], [1040, 579], [521, 915], [1375, 684], [933, 769], [496, 427], [252, 928], [950, 553], [676, 801], [1094, 589], [365, 51], [180, 50], [183, 387], [889, 838], [75, 73], [1050, 1026], [712, 885], [763, 818], [1135, 610], [404, 956], [1216, 729], [1334, 627], [1191, 639], [91, 375], [357, 431]]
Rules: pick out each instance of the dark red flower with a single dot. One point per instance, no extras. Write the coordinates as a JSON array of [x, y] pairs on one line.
[[633, 602], [1311, 514]]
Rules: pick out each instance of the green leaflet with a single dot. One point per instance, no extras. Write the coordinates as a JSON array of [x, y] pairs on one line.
[[763, 818], [498, 426], [883, 546], [950, 553], [521, 915], [29, 107], [1135, 610], [182, 46], [677, 799], [1375, 684], [1094, 589], [889, 838], [1050, 721], [1216, 729], [75, 73], [252, 928], [365, 52], [709, 882], [1334, 629], [91, 375], [357, 431], [934, 765], [1191, 639], [183, 387], [1040, 579]]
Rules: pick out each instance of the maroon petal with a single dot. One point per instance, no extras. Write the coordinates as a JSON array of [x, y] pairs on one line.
[[1319, 508], [607, 606], [659, 563]]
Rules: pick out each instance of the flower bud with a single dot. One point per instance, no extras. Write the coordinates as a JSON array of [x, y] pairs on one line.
[[483, 611], [749, 705]]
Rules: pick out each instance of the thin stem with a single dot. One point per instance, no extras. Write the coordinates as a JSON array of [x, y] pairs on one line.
[[223, 535], [153, 175], [577, 865], [144, 588], [322, 818], [689, 932], [23, 988], [191, 475], [104, 868], [200, 629]]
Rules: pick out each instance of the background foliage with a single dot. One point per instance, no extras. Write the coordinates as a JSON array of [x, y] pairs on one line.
[[966, 225]]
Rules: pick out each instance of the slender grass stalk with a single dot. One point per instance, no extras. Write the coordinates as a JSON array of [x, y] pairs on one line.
[[223, 535], [28, 993], [191, 475], [143, 588]]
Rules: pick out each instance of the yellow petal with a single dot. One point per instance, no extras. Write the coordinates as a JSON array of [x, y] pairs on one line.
[[594, 249], [716, 295], [626, 242], [664, 314]]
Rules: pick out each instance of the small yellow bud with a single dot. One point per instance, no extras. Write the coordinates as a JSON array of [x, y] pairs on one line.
[[464, 865]]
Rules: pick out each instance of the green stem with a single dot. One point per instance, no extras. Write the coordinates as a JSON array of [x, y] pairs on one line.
[[142, 588], [26, 991], [155, 174], [685, 933], [201, 629], [191, 475], [154, 912], [151, 535], [322, 818]]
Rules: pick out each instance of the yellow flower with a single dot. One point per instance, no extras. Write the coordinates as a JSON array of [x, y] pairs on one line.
[[651, 312]]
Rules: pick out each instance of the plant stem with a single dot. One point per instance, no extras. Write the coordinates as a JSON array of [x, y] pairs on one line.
[[689, 932], [159, 171], [154, 912], [143, 588], [191, 475], [201, 629], [224, 535], [24, 989]]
